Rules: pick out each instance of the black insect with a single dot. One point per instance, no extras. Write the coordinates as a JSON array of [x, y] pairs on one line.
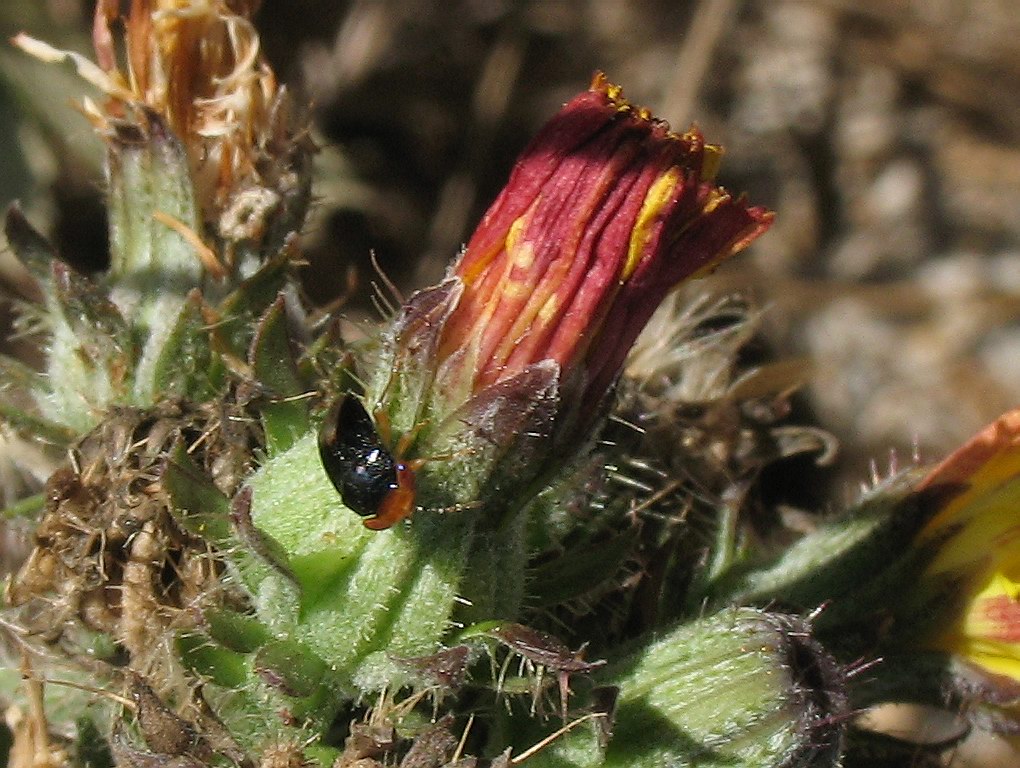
[[371, 480]]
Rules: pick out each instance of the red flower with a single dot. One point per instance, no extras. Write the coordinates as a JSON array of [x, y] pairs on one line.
[[605, 212], [505, 366]]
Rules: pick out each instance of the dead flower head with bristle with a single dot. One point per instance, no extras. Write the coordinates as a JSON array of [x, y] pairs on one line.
[[196, 67], [199, 66], [208, 179]]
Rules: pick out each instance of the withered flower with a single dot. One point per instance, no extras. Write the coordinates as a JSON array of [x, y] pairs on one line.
[[191, 75]]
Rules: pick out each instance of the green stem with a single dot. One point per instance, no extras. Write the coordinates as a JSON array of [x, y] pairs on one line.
[[365, 596]]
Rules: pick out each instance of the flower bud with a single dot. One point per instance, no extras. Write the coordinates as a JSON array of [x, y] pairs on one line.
[[741, 688]]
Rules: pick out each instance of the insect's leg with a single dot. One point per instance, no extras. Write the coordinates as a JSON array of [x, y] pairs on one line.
[[383, 426], [397, 504]]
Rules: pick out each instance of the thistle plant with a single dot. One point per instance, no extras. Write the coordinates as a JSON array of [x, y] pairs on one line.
[[500, 527]]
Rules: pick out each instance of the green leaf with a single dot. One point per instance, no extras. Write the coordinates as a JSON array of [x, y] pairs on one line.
[[257, 542], [238, 632], [92, 352], [186, 365], [103, 335], [221, 665], [250, 300], [29, 245], [740, 689], [290, 667], [150, 175], [196, 503], [285, 419], [322, 576], [30, 425], [852, 564], [29, 507]]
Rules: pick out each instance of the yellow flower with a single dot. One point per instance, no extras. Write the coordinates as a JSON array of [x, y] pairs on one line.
[[978, 529]]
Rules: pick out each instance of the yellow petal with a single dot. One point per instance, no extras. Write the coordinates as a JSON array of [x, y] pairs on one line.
[[983, 515]]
